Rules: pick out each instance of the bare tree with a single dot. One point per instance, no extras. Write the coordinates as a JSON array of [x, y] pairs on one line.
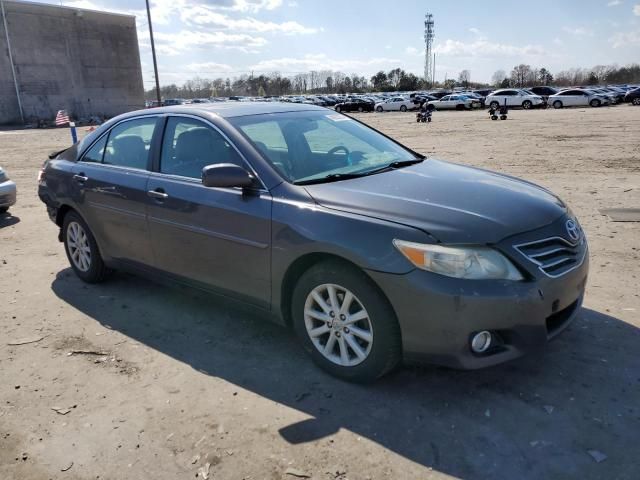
[[498, 77], [464, 77]]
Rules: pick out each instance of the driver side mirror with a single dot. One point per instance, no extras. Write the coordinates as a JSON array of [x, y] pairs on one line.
[[226, 175]]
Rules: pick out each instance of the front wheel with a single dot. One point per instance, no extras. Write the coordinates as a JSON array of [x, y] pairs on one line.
[[4, 210], [595, 102], [338, 109], [82, 249], [360, 109], [403, 108], [345, 323], [527, 104], [557, 104], [636, 101], [379, 109]]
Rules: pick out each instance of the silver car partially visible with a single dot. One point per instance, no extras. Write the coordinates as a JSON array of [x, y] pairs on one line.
[[8, 192]]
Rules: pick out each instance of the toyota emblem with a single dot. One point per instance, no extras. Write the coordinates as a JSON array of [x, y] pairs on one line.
[[573, 230]]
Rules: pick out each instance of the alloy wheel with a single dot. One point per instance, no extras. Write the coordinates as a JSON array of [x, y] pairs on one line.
[[338, 325], [78, 246]]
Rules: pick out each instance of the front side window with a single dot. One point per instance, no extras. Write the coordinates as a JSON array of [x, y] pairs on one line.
[[311, 146], [129, 143], [189, 145]]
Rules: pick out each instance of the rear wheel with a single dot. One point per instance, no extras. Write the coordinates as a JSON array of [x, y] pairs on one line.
[[557, 104], [379, 109], [82, 249], [527, 104], [360, 109], [595, 102], [345, 322], [338, 109], [403, 108], [636, 101]]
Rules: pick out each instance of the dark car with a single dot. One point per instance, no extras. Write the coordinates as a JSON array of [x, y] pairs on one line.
[[370, 251], [354, 105], [633, 96]]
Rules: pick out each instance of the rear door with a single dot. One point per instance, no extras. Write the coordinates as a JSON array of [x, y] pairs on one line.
[[110, 183], [216, 236]]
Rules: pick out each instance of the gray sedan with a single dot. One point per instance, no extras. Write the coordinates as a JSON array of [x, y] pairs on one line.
[[370, 251], [8, 192]]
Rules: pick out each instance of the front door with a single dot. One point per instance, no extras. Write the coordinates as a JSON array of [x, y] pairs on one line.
[[110, 183], [220, 237]]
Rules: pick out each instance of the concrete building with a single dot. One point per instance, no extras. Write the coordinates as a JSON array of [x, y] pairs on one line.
[[82, 61]]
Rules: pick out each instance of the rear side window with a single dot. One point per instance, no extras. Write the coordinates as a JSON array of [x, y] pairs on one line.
[[96, 152], [190, 145], [129, 143]]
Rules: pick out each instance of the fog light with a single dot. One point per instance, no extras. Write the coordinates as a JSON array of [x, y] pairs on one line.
[[481, 342]]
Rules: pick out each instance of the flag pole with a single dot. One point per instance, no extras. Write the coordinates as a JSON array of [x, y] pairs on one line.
[[153, 53]]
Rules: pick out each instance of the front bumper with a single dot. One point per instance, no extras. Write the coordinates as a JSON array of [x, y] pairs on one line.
[[8, 194], [438, 314]]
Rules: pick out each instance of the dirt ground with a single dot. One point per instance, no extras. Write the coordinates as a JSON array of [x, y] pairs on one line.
[[182, 380]]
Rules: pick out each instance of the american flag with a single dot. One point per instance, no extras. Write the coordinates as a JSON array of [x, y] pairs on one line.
[[62, 118]]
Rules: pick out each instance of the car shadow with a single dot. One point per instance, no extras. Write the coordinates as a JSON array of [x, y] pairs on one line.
[[537, 417], [6, 219]]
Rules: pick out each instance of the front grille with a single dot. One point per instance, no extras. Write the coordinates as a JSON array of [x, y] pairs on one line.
[[554, 256]]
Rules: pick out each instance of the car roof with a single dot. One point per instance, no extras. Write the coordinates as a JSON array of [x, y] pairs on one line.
[[235, 109]]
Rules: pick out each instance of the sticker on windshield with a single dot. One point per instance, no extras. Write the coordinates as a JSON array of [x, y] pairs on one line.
[[336, 117]]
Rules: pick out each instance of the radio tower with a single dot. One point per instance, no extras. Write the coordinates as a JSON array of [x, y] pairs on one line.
[[428, 41]]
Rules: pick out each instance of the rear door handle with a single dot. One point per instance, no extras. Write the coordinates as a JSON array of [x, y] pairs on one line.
[[80, 178], [158, 194]]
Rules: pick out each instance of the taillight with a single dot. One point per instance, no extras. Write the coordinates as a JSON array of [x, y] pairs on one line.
[[41, 173]]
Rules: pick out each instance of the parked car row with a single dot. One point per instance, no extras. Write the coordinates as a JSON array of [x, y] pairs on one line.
[[526, 98]]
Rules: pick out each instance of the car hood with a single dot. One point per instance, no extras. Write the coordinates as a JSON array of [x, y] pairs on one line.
[[453, 203]]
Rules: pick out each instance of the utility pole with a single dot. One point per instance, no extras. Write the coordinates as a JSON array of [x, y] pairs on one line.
[[13, 68], [153, 53]]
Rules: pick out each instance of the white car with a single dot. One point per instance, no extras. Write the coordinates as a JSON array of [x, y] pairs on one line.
[[454, 102], [577, 98], [394, 104], [7, 192], [514, 98]]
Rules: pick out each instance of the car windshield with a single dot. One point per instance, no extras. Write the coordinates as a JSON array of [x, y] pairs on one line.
[[312, 147]]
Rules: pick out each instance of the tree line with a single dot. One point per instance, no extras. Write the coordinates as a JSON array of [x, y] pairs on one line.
[[397, 79]]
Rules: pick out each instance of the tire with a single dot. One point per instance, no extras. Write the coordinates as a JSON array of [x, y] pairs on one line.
[[595, 103], [527, 104], [429, 119], [403, 108], [431, 108], [557, 104], [360, 109], [636, 101], [494, 104], [494, 117], [379, 355], [3, 210], [379, 109], [94, 270], [338, 109]]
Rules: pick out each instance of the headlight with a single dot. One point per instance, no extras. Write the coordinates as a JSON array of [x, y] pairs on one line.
[[473, 263]]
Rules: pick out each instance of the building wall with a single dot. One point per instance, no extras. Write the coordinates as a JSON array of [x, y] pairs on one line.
[[82, 61]]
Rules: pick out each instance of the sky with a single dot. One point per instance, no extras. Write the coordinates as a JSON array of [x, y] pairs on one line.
[[227, 38]]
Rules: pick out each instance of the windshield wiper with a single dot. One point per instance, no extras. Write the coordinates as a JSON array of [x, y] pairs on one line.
[[395, 165], [332, 177]]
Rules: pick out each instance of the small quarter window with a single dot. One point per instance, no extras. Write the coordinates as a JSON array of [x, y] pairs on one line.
[[96, 152]]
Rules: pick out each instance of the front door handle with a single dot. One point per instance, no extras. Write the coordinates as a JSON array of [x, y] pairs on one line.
[[80, 178], [158, 194]]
